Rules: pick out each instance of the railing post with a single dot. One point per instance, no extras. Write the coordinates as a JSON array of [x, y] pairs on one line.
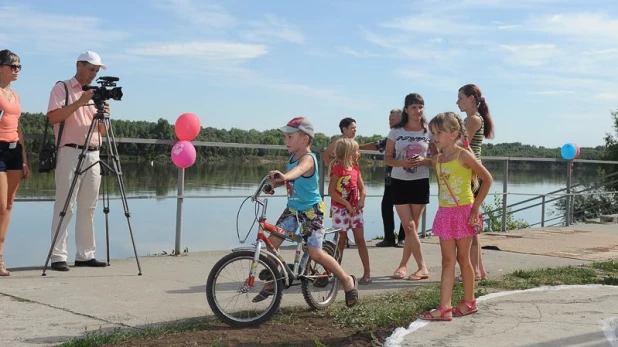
[[505, 190], [567, 217], [321, 171], [543, 211], [179, 201]]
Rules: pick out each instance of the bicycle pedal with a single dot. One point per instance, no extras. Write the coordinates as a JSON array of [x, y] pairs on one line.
[[321, 282], [265, 275]]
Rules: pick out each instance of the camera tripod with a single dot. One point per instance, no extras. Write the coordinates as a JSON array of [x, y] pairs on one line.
[[112, 152]]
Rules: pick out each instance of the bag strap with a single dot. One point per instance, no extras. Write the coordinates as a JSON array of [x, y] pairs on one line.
[[443, 176], [47, 124]]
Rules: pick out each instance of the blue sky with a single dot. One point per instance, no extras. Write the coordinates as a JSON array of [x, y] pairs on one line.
[[547, 68]]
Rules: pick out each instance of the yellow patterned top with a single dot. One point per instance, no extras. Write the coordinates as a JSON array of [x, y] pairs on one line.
[[459, 179]]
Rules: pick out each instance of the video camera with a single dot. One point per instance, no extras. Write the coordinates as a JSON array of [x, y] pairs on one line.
[[102, 93]]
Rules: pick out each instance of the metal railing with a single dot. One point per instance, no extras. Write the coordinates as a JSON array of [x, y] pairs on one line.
[[563, 193]]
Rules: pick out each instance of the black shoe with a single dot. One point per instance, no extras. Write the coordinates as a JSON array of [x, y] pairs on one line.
[[385, 243], [60, 266], [90, 263]]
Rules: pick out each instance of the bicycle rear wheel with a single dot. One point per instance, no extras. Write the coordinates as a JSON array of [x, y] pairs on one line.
[[230, 297], [320, 287]]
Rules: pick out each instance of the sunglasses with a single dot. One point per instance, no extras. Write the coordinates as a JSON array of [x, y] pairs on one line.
[[14, 67]]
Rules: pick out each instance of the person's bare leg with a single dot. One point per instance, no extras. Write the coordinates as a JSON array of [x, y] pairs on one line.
[[341, 243], [417, 211], [465, 266], [447, 281], [476, 258], [405, 215], [363, 252], [329, 263]]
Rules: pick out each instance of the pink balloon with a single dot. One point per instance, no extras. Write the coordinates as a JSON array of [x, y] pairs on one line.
[[578, 151], [183, 154], [187, 126]]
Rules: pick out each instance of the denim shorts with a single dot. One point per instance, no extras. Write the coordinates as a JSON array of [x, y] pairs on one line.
[[311, 223], [10, 158]]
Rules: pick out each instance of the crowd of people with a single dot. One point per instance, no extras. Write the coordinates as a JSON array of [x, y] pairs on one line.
[[447, 145]]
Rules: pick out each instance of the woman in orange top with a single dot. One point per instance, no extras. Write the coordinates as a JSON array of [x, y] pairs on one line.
[[13, 163]]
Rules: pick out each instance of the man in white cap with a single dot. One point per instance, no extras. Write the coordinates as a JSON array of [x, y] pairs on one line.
[[72, 110]]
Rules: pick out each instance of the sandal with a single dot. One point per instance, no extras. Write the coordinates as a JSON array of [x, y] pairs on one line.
[[470, 308], [3, 270], [399, 275], [262, 295], [351, 296], [416, 277], [443, 314]]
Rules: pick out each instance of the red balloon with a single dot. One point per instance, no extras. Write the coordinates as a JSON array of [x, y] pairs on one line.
[[578, 151], [187, 126]]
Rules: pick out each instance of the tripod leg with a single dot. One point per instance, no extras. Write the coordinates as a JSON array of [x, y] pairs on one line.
[[113, 154], [67, 202], [105, 199]]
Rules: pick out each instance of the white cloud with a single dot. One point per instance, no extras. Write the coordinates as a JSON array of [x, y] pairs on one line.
[[608, 96], [437, 25], [200, 14], [201, 50], [436, 79], [55, 33], [587, 27], [532, 55], [272, 27], [355, 53], [553, 92]]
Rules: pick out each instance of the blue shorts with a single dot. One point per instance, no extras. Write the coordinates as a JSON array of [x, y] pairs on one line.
[[11, 158], [311, 223]]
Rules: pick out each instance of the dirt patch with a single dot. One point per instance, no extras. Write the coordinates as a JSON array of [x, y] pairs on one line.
[[308, 329]]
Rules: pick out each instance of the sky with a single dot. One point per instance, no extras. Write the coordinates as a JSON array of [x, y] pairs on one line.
[[547, 68]]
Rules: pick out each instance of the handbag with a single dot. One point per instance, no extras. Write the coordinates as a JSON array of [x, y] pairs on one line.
[[477, 227], [49, 150]]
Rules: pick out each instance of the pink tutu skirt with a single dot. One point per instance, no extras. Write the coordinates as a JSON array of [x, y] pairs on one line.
[[451, 223]]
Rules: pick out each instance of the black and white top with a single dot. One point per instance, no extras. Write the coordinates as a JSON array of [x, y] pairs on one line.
[[407, 145]]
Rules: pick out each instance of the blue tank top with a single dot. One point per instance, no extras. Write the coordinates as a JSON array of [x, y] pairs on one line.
[[303, 192]]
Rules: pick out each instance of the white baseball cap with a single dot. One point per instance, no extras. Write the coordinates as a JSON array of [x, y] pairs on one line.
[[92, 58]]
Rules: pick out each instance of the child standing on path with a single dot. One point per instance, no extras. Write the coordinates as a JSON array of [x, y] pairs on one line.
[[457, 220], [347, 192], [305, 204]]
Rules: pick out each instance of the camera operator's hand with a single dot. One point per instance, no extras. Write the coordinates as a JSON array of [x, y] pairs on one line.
[[86, 97], [106, 108]]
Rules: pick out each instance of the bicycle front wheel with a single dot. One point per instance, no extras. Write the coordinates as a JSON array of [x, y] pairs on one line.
[[320, 287], [233, 300]]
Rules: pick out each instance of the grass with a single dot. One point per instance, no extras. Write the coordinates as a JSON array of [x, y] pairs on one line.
[[385, 311]]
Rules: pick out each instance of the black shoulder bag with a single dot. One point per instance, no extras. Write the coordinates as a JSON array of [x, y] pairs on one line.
[[49, 150]]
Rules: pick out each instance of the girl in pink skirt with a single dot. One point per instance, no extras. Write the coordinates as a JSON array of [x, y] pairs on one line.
[[458, 218]]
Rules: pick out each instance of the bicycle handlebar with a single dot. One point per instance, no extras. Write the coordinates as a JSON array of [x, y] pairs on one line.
[[263, 187]]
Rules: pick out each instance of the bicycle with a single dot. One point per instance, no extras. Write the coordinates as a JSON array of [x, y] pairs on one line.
[[239, 276]]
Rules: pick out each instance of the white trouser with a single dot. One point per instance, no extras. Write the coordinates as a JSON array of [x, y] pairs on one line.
[[86, 193]]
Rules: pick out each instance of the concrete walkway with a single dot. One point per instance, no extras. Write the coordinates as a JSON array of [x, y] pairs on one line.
[[42, 311]]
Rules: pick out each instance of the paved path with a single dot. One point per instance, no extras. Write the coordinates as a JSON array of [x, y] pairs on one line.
[[41, 311]]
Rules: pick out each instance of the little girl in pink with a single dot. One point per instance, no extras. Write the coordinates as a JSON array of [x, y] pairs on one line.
[[458, 218], [347, 192]]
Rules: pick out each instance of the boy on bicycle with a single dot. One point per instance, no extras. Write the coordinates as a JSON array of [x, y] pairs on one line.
[[305, 204]]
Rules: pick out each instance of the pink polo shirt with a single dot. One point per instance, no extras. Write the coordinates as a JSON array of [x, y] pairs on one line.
[[77, 125], [10, 118]]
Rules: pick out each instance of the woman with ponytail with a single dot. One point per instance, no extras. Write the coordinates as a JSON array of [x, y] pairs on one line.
[[479, 126]]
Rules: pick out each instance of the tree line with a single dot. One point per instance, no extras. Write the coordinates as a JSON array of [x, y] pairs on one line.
[[33, 126]]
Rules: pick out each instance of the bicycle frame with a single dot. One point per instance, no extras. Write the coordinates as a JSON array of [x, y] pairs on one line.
[[300, 257], [273, 253]]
